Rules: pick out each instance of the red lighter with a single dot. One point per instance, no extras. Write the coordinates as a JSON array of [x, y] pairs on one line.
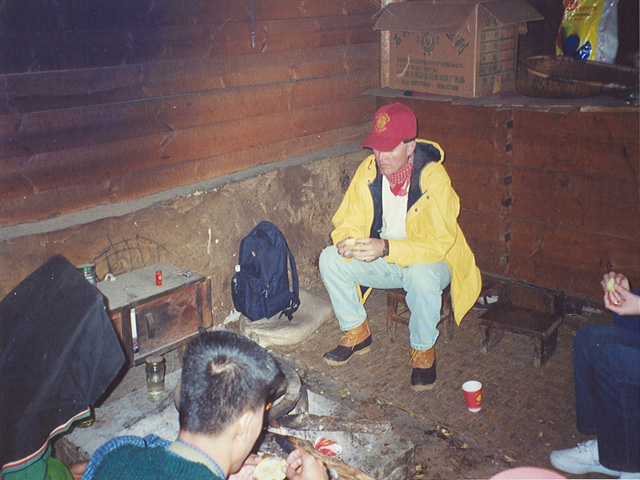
[[158, 277]]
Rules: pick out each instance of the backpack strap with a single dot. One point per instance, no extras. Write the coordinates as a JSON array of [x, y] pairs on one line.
[[295, 301]]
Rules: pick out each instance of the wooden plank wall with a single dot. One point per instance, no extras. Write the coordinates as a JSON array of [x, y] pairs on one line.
[[134, 97], [547, 198]]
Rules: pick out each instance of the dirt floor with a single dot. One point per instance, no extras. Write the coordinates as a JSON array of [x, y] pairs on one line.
[[527, 411]]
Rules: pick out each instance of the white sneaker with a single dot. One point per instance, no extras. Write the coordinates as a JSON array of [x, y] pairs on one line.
[[629, 474], [581, 459]]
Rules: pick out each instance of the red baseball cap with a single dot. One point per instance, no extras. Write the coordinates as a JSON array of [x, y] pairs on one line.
[[392, 124]]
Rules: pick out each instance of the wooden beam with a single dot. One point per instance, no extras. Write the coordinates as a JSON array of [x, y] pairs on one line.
[[131, 185], [104, 48], [188, 11], [50, 170], [77, 88], [294, 34], [88, 127]]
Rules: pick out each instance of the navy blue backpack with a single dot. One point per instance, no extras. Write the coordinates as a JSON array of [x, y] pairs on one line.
[[260, 286]]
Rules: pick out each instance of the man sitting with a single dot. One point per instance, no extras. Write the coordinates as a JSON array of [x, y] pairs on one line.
[[226, 382], [397, 227]]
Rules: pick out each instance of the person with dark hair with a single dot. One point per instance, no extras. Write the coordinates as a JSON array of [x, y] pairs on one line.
[[397, 227], [226, 383], [606, 370]]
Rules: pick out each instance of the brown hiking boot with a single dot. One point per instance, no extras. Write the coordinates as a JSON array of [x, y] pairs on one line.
[[357, 340], [423, 375]]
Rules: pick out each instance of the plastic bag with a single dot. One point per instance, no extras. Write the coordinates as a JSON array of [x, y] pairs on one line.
[[589, 30]]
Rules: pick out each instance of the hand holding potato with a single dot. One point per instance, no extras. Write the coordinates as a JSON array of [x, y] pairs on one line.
[[368, 249], [617, 296], [609, 282], [347, 247], [363, 249]]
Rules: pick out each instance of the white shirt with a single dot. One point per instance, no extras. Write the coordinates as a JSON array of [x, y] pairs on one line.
[[394, 213]]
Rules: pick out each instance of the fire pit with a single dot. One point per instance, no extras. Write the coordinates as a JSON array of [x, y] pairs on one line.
[[299, 418], [298, 415]]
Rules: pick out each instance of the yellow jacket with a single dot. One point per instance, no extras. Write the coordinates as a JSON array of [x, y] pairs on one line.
[[433, 233]]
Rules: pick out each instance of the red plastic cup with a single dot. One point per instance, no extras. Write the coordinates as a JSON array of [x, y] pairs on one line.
[[473, 395]]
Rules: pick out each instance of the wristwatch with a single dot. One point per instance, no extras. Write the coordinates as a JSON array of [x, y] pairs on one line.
[[385, 250]]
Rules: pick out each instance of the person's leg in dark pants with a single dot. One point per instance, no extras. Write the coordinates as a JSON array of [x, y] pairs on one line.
[[607, 388]]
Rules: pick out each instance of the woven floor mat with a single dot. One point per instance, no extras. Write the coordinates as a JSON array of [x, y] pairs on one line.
[[526, 412]]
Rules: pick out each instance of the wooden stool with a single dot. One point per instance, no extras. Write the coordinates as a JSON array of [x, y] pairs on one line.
[[398, 311]]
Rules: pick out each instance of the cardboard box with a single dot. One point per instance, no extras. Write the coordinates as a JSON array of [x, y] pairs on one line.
[[462, 48]]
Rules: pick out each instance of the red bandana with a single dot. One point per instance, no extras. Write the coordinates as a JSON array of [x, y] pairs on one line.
[[399, 181]]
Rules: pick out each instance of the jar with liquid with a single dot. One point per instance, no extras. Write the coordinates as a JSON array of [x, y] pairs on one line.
[[89, 272], [155, 368]]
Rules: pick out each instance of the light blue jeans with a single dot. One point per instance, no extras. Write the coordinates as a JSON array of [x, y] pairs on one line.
[[423, 283]]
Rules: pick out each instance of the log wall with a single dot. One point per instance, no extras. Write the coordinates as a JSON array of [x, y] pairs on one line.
[[112, 101], [548, 198]]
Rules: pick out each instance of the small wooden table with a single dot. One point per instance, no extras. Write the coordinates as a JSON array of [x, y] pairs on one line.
[[166, 316], [542, 327]]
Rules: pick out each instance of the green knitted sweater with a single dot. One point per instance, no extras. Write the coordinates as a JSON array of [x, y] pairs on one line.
[[132, 462]]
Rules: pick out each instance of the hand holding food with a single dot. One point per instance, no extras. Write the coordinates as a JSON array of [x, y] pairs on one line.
[[619, 299], [363, 249], [348, 247], [368, 249], [270, 468], [611, 279], [609, 282]]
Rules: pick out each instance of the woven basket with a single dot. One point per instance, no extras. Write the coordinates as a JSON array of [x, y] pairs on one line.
[[551, 76]]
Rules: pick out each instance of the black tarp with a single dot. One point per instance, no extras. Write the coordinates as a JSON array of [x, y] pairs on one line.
[[58, 353]]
